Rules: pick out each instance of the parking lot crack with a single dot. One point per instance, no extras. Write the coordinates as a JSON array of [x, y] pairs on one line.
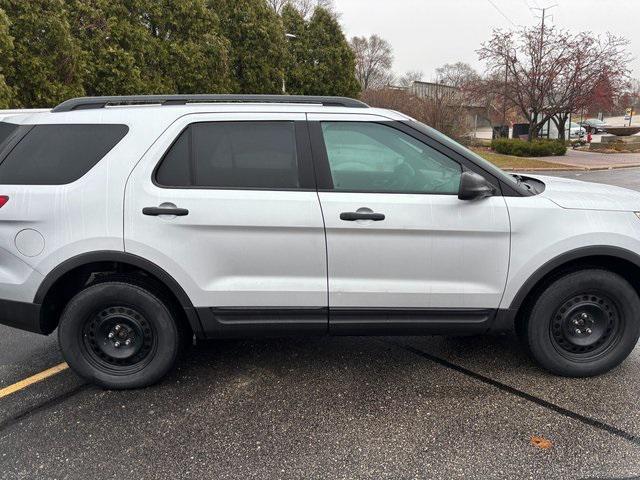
[[41, 407], [592, 422]]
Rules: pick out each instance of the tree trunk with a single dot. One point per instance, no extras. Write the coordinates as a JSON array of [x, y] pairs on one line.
[[533, 126], [560, 121]]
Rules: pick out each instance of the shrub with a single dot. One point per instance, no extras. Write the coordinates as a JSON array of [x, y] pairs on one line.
[[469, 141], [522, 148]]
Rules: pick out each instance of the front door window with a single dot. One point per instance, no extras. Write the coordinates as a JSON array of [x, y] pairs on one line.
[[372, 157]]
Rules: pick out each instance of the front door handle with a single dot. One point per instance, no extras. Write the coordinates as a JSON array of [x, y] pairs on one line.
[[155, 211], [353, 216]]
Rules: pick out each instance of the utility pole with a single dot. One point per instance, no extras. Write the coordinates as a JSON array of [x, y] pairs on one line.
[[288, 36], [543, 16], [504, 95]]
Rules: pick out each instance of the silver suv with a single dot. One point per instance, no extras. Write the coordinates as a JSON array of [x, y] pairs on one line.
[[134, 223]]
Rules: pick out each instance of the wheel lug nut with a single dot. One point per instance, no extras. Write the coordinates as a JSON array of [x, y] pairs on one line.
[[584, 316], [588, 331], [578, 331], [117, 328], [117, 344], [128, 342], [111, 335], [576, 322]]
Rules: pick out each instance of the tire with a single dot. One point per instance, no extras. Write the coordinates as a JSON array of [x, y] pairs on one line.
[[96, 325], [584, 324]]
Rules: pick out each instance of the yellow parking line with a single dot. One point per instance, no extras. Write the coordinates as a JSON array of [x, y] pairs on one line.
[[38, 377]]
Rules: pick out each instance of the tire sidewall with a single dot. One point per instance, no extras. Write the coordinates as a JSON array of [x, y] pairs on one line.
[[538, 329], [97, 297]]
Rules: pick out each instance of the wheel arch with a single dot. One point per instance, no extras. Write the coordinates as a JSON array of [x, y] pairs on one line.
[[615, 259], [61, 283]]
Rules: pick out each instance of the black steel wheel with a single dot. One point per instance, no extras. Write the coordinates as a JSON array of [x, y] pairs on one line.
[[119, 335], [584, 323], [586, 326], [119, 339]]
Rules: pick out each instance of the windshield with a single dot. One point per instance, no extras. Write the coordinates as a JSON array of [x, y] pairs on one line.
[[452, 144]]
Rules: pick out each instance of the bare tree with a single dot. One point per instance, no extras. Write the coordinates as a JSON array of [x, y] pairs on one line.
[[395, 99], [596, 73], [457, 74], [277, 5], [462, 77], [532, 62], [305, 7], [630, 98], [634, 92], [546, 72], [440, 110], [374, 58], [410, 77], [492, 101]]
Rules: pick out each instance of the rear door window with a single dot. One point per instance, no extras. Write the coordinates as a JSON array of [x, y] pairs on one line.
[[242, 154], [58, 154]]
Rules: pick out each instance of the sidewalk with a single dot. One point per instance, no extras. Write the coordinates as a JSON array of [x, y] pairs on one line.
[[595, 161]]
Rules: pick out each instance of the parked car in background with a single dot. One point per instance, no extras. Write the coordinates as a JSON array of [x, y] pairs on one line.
[[576, 131], [596, 125]]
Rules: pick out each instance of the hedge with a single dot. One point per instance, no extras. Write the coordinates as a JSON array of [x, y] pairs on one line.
[[522, 148]]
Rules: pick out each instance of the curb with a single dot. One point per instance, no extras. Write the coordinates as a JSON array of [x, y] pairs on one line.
[[570, 168]]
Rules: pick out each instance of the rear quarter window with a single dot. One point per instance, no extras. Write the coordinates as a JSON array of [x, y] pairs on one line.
[[58, 154], [6, 129]]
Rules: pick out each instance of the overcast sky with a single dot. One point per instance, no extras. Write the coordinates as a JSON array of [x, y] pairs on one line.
[[426, 34]]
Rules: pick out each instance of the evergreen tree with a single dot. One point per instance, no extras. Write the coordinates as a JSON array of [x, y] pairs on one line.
[[297, 62], [146, 46], [51, 50], [115, 45], [332, 60], [6, 60], [189, 51], [47, 66], [257, 42], [319, 60]]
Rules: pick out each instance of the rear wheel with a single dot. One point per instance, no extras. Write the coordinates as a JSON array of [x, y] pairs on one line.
[[584, 323], [119, 335]]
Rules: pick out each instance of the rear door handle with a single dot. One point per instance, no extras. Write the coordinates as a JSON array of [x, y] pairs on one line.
[[155, 211], [353, 216]]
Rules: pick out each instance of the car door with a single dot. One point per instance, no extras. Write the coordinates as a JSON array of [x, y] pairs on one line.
[[226, 204], [404, 253]]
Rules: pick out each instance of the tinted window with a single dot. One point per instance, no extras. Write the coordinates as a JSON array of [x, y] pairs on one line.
[[175, 168], [464, 151], [58, 154], [372, 157], [6, 129], [232, 155]]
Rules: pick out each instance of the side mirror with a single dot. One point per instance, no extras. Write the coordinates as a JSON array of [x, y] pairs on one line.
[[474, 186]]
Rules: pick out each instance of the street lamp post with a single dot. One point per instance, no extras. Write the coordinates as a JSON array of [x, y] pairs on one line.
[[288, 36]]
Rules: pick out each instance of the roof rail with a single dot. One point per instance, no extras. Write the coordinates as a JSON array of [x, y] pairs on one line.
[[86, 103]]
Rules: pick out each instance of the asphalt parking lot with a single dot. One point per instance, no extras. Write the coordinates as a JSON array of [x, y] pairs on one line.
[[366, 407]]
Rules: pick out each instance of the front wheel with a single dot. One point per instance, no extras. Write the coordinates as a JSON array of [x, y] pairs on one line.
[[118, 335], [584, 323]]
